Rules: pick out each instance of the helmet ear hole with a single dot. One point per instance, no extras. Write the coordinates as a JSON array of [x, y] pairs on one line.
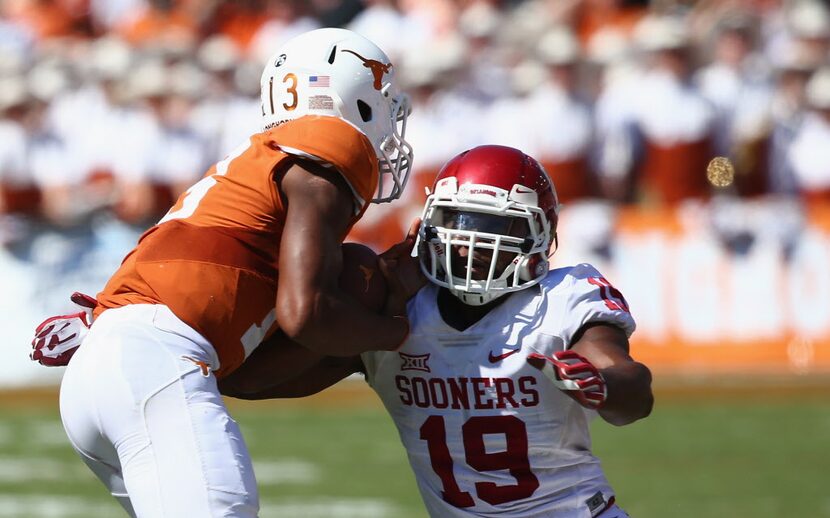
[[365, 111], [532, 267]]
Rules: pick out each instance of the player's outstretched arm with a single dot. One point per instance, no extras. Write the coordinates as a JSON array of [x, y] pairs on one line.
[[280, 368], [311, 309], [628, 382], [598, 373]]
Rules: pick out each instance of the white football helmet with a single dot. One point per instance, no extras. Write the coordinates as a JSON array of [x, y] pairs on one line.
[[497, 204], [339, 73]]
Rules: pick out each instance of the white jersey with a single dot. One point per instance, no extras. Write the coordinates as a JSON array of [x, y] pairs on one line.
[[486, 433]]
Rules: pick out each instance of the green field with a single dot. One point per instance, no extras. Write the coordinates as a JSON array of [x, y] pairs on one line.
[[708, 453]]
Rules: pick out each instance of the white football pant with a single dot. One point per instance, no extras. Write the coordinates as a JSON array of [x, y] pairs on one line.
[[149, 421]]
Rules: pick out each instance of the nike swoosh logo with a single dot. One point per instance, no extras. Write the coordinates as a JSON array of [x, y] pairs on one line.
[[496, 359]]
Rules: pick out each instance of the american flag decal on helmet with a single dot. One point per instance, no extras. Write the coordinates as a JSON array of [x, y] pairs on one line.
[[319, 81]]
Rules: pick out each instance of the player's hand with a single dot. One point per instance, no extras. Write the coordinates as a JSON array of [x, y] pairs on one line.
[[57, 338], [574, 375], [402, 272]]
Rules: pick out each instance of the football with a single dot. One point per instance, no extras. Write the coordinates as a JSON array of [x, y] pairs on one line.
[[361, 277]]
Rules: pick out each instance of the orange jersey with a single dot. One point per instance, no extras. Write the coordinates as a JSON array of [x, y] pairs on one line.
[[213, 259]]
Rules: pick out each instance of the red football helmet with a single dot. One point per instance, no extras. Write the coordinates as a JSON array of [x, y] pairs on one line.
[[497, 204]]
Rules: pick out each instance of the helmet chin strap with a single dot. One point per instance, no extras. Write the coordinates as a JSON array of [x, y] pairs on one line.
[[480, 299], [477, 299]]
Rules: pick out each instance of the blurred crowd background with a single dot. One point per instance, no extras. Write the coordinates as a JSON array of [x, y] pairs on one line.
[[109, 109], [114, 107]]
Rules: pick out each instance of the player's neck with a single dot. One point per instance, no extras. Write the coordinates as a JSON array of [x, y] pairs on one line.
[[460, 316]]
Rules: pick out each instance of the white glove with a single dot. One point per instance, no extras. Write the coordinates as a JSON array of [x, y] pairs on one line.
[[57, 338]]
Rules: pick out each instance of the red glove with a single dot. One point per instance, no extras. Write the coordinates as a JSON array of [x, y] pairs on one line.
[[574, 375], [57, 338]]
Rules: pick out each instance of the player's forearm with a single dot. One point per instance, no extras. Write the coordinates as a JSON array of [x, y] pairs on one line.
[[629, 393], [275, 361], [340, 326], [325, 373], [353, 332]]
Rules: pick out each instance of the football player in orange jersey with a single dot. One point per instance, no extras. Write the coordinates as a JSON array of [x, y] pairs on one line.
[[253, 247]]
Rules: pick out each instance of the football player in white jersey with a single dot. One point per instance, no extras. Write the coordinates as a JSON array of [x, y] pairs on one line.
[[507, 361]]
